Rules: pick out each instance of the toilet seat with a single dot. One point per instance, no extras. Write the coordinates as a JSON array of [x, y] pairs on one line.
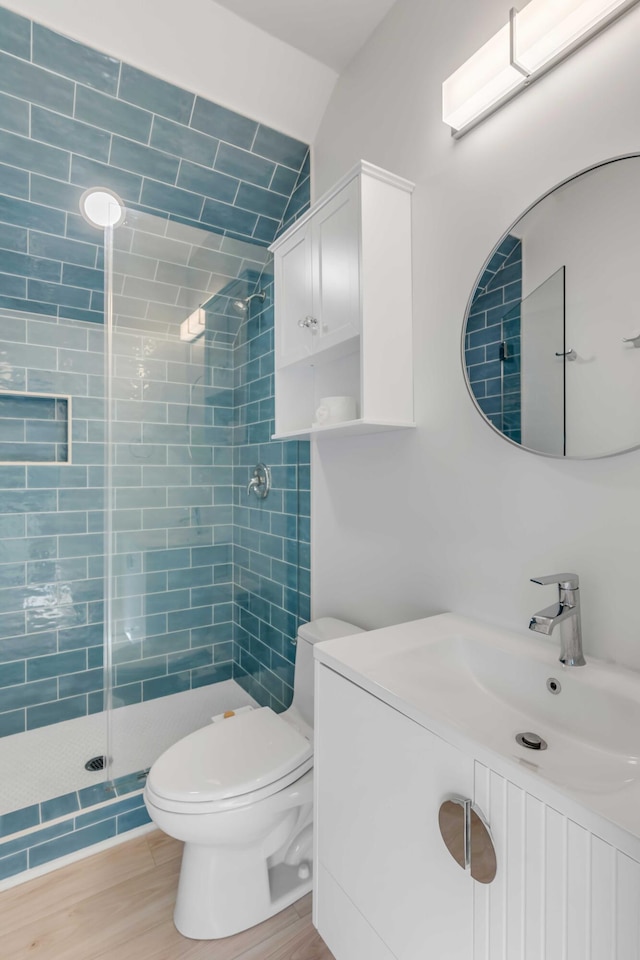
[[231, 763]]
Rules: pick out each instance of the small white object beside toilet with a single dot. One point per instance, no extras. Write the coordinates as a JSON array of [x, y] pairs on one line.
[[239, 793]]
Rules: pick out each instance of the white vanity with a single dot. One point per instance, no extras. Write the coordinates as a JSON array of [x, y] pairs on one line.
[[410, 716]]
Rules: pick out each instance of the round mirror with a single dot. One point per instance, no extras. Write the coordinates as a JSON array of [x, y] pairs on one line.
[[551, 337]]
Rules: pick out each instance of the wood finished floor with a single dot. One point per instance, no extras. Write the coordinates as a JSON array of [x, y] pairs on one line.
[[119, 904]]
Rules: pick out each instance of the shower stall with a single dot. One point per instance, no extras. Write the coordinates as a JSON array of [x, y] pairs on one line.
[[143, 590]]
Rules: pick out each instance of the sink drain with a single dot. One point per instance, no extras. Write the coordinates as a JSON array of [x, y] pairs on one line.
[[531, 741]]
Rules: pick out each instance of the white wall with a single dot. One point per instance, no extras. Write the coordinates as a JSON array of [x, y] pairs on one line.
[[201, 46], [451, 516]]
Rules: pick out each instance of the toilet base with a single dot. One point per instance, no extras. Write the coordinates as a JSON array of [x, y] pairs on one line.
[[219, 897]]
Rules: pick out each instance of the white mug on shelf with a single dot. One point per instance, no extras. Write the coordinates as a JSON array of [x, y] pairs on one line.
[[335, 410]]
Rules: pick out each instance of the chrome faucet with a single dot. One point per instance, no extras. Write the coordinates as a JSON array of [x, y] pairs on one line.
[[565, 612]]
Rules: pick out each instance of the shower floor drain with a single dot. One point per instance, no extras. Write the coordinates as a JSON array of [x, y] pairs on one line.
[[95, 764]]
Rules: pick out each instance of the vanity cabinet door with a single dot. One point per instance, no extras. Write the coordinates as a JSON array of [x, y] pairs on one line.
[[380, 782], [561, 892]]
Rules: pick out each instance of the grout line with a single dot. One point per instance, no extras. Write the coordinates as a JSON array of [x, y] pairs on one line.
[[192, 111], [116, 96]]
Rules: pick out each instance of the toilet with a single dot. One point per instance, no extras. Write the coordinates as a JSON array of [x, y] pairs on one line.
[[239, 793]]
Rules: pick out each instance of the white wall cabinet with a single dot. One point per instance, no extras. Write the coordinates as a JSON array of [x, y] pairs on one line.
[[317, 268], [386, 887], [343, 321]]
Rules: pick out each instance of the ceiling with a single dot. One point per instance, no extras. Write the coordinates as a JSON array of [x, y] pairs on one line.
[[331, 31]]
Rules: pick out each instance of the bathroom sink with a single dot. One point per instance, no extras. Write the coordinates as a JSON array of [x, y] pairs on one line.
[[491, 684], [497, 688]]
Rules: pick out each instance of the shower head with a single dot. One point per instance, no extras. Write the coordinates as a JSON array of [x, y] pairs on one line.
[[242, 303]]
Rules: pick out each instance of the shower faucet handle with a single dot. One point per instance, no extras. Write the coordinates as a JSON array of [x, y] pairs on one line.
[[260, 482]]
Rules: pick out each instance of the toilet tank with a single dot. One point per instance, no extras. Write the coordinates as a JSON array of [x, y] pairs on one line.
[[325, 628]]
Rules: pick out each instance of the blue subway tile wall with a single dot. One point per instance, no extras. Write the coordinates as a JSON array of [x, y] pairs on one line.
[[492, 340], [94, 120], [299, 200], [72, 117], [271, 536], [206, 586], [73, 830], [37, 814]]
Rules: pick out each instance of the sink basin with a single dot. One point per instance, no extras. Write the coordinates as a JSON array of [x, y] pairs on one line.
[[491, 685], [494, 689]]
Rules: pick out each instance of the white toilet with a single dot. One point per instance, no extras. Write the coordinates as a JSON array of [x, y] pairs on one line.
[[239, 792]]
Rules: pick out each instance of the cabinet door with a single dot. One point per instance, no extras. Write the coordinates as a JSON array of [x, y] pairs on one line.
[[380, 781], [561, 892], [336, 228], [293, 282]]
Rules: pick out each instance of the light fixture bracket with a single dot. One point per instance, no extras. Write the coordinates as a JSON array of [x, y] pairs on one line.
[[513, 15]]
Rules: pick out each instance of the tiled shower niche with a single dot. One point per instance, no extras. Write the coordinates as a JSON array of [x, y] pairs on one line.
[[34, 429]]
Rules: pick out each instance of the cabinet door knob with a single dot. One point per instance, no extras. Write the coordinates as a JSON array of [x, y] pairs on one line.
[[467, 838], [310, 323]]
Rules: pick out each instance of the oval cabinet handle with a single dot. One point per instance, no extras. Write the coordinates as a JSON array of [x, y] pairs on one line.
[[453, 820], [467, 838], [484, 864]]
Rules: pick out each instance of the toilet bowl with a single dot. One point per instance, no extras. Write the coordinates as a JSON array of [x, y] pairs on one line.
[[239, 793]]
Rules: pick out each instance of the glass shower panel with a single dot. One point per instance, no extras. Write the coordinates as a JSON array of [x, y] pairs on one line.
[[51, 563], [123, 499], [543, 366], [178, 302]]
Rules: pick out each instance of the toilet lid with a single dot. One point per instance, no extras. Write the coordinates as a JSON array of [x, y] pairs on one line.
[[238, 755]]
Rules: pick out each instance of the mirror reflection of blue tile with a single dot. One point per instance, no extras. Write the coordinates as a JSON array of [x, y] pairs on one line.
[[33, 429], [492, 339]]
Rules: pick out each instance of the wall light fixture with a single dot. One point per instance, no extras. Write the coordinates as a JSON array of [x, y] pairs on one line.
[[537, 37], [194, 326]]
